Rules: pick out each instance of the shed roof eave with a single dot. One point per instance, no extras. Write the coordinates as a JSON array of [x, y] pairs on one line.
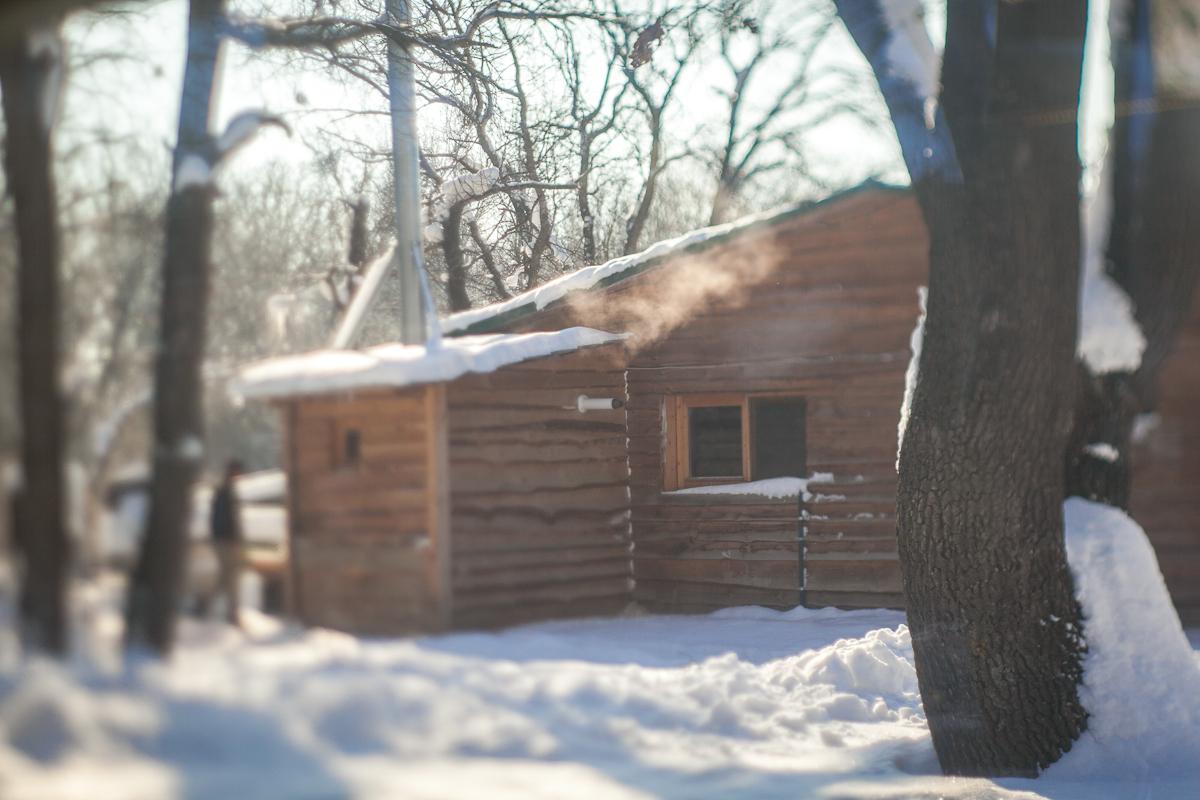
[[331, 372]]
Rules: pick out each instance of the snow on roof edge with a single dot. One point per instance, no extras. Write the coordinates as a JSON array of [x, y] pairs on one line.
[[586, 278], [397, 365]]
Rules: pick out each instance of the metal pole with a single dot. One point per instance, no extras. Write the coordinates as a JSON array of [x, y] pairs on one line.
[[409, 262]]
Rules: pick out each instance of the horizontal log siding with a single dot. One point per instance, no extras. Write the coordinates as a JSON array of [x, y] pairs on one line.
[[361, 539], [824, 307], [539, 503], [1166, 474]]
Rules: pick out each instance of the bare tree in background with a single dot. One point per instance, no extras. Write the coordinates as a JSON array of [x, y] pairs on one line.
[[654, 77], [768, 131], [30, 82], [591, 122], [178, 446], [535, 100]]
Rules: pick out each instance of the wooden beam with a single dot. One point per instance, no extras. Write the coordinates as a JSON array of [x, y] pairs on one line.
[[437, 484]]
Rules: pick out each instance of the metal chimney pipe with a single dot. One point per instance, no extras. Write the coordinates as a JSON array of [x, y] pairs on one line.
[[409, 262]]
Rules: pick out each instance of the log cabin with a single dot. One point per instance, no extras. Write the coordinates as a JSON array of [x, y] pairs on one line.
[[762, 369]]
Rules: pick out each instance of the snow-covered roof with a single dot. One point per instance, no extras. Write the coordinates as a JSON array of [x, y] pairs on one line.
[[477, 320], [394, 365], [264, 486]]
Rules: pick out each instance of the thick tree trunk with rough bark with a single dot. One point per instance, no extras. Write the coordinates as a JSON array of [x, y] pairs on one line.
[[158, 581], [30, 72], [996, 627]]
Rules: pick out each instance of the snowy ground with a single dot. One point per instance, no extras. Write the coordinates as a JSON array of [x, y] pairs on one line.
[[742, 703]]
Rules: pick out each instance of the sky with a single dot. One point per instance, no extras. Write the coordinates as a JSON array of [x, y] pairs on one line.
[[137, 94]]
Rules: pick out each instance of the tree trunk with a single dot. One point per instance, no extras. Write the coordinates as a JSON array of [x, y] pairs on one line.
[[30, 70], [489, 263], [722, 200], [583, 198], [995, 624], [456, 267], [357, 256], [991, 606], [636, 224], [157, 586]]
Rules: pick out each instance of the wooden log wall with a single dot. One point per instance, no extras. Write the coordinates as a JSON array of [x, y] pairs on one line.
[[365, 533], [539, 492], [823, 306], [1166, 474]]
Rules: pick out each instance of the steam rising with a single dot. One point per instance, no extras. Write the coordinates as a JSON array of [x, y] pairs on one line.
[[673, 295]]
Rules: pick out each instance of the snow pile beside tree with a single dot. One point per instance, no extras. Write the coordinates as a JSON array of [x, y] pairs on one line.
[[1141, 677]]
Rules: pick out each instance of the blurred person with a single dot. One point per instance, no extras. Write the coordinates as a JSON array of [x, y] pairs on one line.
[[225, 525]]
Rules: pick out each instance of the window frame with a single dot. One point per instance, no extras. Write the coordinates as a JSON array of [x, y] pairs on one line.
[[677, 435], [342, 429]]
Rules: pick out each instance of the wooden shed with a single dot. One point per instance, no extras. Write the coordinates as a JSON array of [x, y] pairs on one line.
[[459, 485], [777, 346], [772, 347]]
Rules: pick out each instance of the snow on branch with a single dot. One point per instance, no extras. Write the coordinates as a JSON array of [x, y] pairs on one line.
[[193, 170], [45, 44], [455, 192], [242, 129], [910, 52], [196, 168], [892, 36]]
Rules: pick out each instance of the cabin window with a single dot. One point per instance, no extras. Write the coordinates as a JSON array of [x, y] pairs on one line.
[[347, 445], [777, 440], [715, 442], [352, 446], [731, 438]]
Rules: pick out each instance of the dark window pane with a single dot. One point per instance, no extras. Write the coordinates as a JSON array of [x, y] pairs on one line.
[[715, 442], [777, 437], [353, 447]]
